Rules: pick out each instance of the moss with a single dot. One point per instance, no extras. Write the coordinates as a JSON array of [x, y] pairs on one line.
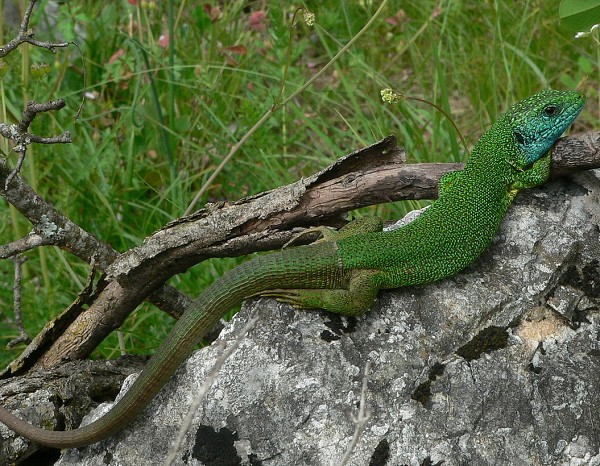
[[422, 393], [489, 339]]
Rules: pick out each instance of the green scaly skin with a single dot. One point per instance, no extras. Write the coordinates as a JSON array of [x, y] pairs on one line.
[[343, 274]]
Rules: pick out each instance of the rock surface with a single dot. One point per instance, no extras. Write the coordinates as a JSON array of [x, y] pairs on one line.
[[498, 365]]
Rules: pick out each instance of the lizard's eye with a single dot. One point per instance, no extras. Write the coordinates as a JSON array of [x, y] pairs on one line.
[[551, 110], [519, 137]]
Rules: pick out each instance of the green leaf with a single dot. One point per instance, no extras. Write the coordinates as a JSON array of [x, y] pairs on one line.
[[568, 82], [182, 124], [579, 15], [201, 18], [585, 65]]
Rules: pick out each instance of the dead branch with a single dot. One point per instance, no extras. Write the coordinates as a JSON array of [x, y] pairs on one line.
[[49, 226], [374, 175], [22, 138], [52, 228], [74, 386], [31, 241], [23, 337]]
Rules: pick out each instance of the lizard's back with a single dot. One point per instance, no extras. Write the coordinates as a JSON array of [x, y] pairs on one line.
[[452, 232]]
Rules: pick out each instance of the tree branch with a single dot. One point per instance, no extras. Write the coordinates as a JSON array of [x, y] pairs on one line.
[[53, 228], [31, 241]]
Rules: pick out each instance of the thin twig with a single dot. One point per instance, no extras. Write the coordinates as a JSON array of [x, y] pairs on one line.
[[23, 337], [31, 241], [64, 138], [18, 133], [84, 89], [210, 378], [26, 35], [33, 108], [364, 414]]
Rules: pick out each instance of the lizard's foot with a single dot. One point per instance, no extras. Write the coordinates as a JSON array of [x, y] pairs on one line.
[[534, 176], [327, 234]]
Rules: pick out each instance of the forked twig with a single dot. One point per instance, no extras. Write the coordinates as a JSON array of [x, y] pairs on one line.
[[26, 35], [22, 138]]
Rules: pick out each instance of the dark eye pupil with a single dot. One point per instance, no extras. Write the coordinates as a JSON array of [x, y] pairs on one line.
[[519, 137], [551, 110]]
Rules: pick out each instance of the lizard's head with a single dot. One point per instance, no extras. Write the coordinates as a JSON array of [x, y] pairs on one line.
[[538, 121]]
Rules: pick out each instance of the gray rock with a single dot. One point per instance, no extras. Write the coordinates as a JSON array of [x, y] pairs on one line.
[[497, 365]]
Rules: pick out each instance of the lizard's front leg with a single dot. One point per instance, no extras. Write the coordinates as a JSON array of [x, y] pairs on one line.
[[534, 176]]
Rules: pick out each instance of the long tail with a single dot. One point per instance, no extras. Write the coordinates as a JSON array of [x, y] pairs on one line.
[[315, 266]]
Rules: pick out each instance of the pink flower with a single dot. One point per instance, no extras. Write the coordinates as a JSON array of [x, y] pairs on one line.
[[163, 40], [257, 21], [115, 56]]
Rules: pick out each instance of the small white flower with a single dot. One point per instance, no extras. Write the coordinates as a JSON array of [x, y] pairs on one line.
[[309, 17], [391, 97], [584, 34]]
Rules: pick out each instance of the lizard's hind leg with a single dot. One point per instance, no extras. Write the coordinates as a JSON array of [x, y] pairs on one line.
[[355, 227], [355, 300]]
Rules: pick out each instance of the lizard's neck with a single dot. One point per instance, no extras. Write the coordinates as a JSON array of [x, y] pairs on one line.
[[495, 155]]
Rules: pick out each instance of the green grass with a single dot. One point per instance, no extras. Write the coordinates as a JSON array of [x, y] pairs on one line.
[[162, 118]]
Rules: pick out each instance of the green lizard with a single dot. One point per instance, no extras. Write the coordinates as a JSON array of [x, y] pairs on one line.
[[344, 273]]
